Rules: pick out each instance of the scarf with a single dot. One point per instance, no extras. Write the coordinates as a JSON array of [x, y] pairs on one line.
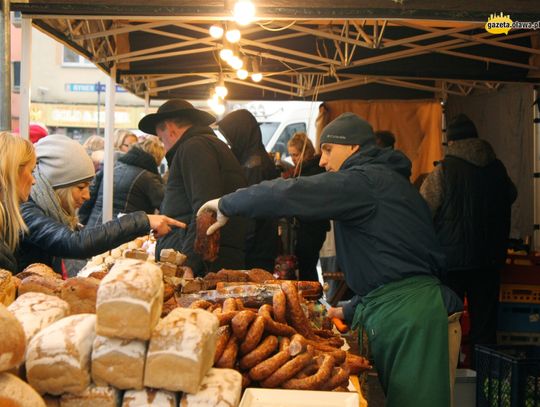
[[44, 196]]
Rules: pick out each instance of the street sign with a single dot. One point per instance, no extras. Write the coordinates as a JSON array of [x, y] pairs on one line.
[[90, 87]]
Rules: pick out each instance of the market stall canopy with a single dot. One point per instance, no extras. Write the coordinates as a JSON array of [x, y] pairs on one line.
[[346, 49]]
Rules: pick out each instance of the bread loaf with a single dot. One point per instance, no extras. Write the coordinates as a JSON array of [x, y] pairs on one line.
[[149, 398], [181, 350], [51, 401], [80, 293], [35, 311], [220, 387], [41, 284], [8, 288], [12, 340], [16, 393], [92, 396], [129, 300], [118, 362], [58, 357], [38, 269]]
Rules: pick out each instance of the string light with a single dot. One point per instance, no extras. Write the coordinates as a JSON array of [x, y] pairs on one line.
[[235, 62], [226, 52], [233, 35], [256, 75], [244, 12], [216, 31], [220, 89]]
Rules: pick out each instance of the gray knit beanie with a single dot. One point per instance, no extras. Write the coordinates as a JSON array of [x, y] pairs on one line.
[[63, 161], [349, 129]]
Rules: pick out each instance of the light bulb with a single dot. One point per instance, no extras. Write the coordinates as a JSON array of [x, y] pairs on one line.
[[216, 31], [221, 91], [226, 54], [256, 76], [235, 63], [218, 109], [233, 35], [244, 12], [242, 73]]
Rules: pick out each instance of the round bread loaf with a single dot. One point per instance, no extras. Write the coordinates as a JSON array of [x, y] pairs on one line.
[[38, 269], [12, 341], [16, 393], [8, 287]]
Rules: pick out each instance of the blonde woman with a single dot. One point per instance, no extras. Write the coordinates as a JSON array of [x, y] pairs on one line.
[[17, 161], [63, 174], [137, 184], [124, 139]]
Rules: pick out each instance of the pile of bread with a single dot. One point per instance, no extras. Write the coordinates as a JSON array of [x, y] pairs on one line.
[[124, 354]]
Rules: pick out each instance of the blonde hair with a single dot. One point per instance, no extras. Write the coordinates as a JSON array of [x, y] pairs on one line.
[[120, 136], [302, 143], [14, 153], [67, 203], [94, 143], [153, 146]]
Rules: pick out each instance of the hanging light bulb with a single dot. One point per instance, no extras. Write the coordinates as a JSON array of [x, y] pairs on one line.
[[220, 89], [244, 12], [242, 73], [256, 76], [219, 109], [235, 63], [226, 52], [216, 31], [233, 35]]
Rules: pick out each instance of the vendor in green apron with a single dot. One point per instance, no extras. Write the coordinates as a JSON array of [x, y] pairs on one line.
[[386, 247]]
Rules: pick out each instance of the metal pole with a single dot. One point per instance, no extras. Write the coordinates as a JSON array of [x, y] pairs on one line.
[[98, 106], [146, 102], [5, 67], [26, 77], [108, 162], [536, 168]]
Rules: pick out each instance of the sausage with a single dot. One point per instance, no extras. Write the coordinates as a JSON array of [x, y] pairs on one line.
[[260, 353], [297, 345], [279, 303], [229, 305], [200, 304], [226, 317], [338, 355], [206, 245], [253, 336], [264, 369], [228, 358], [288, 370], [298, 319], [239, 304], [246, 380], [326, 348], [273, 327], [284, 343], [357, 364], [215, 310], [336, 341], [223, 335], [240, 323], [341, 389], [339, 377], [324, 333], [315, 381], [310, 369]]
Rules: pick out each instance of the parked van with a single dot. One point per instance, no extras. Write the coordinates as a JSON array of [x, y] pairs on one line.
[[280, 120]]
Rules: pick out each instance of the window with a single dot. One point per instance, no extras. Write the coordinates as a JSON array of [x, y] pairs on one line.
[[16, 75], [286, 135], [16, 18], [71, 58]]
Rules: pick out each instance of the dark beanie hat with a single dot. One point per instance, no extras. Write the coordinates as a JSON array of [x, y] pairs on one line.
[[349, 129], [460, 128]]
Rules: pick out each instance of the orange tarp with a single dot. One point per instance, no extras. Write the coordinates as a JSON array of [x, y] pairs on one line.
[[416, 125]]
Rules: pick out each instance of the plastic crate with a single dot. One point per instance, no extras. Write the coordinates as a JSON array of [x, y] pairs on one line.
[[517, 317], [507, 376], [519, 293], [518, 338]]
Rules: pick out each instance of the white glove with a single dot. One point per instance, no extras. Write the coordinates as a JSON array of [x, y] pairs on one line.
[[221, 221]]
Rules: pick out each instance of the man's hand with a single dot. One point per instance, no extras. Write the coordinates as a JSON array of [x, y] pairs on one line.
[[161, 224], [221, 221]]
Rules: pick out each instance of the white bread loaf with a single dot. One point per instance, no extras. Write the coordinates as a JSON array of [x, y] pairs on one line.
[[16, 393], [41, 284], [8, 287], [58, 357], [149, 398], [181, 350], [118, 362], [35, 311], [129, 300], [12, 340], [220, 387], [92, 396]]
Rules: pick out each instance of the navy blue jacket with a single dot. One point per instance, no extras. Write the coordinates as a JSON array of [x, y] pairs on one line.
[[383, 227]]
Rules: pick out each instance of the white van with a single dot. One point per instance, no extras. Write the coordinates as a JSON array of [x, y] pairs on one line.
[[280, 120]]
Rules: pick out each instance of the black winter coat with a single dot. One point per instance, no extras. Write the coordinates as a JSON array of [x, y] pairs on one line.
[[201, 168], [48, 241], [137, 187], [7, 259], [242, 131]]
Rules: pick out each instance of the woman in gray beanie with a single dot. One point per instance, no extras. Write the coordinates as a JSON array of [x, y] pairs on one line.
[[63, 174]]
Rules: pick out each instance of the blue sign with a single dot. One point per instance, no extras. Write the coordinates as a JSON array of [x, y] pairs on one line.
[[90, 87]]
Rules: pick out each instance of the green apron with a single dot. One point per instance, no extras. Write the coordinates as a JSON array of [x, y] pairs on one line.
[[407, 328]]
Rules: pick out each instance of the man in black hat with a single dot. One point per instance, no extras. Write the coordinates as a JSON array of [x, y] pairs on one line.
[[470, 196], [386, 247], [201, 167]]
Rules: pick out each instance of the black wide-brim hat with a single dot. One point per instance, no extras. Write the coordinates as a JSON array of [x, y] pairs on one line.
[[177, 108]]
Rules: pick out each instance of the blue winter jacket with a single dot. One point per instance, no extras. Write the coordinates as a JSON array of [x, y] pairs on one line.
[[383, 227]]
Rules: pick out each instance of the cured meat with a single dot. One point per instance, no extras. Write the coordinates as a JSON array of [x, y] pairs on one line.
[[207, 246]]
